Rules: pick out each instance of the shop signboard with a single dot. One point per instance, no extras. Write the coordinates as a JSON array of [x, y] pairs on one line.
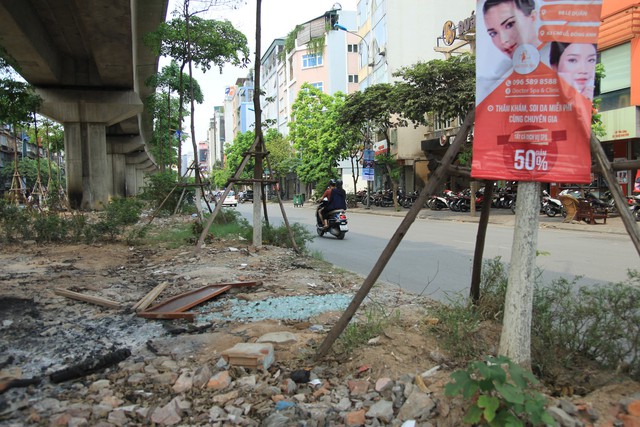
[[368, 166], [535, 72]]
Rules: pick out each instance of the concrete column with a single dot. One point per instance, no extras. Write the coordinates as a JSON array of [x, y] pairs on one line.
[[88, 176], [118, 166], [133, 178], [73, 163], [140, 174]]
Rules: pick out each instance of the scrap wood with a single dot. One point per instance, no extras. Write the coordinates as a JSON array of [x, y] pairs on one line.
[[90, 366], [7, 383], [187, 315], [187, 300], [87, 298], [150, 297]]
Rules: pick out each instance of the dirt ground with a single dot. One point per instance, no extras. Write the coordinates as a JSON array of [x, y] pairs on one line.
[[32, 316]]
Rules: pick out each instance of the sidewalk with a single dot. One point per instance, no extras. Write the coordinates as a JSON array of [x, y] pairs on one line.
[[502, 217]]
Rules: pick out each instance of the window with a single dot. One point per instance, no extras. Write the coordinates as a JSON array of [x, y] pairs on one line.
[[309, 61], [439, 123], [353, 78], [352, 48], [318, 86], [617, 68]]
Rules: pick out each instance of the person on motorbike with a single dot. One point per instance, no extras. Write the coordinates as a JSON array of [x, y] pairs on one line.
[[337, 200], [324, 200]]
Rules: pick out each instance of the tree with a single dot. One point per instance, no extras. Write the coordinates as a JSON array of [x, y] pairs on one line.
[[18, 102], [372, 111], [169, 80], [191, 40], [315, 136], [280, 153], [443, 87]]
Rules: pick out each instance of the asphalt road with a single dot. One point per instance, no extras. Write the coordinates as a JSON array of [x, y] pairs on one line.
[[435, 257]]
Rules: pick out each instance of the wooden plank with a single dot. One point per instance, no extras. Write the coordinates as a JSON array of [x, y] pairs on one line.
[[150, 297], [87, 298], [187, 300], [187, 315]]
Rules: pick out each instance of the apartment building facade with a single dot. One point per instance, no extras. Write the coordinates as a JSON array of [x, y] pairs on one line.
[[619, 90], [400, 34]]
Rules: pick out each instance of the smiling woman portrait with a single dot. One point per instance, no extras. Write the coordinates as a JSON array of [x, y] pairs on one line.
[[511, 23]]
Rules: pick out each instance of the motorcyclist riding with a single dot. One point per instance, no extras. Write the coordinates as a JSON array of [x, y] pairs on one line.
[[337, 200], [324, 201]]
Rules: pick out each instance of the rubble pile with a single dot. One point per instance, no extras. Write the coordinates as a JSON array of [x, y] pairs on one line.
[[65, 362]]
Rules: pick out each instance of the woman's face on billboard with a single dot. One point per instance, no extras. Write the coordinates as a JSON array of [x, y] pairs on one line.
[[509, 27]]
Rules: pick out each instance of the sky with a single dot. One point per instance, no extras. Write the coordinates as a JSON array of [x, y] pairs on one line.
[[279, 17]]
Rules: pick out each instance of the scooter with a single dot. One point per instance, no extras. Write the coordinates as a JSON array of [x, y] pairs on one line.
[[337, 220], [634, 206], [550, 206]]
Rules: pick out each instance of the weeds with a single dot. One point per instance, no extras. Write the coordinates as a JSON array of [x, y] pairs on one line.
[[570, 323], [457, 327], [370, 325]]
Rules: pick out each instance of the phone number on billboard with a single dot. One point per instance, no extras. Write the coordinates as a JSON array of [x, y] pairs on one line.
[[517, 82]]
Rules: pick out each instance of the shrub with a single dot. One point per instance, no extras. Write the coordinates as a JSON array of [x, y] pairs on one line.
[[499, 393], [600, 323], [49, 227], [570, 323], [279, 236], [161, 191], [15, 222]]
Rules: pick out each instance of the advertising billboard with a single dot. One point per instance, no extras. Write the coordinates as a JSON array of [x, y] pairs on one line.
[[535, 73]]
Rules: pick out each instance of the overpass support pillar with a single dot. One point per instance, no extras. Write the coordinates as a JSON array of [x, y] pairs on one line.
[[88, 175], [118, 166], [135, 179]]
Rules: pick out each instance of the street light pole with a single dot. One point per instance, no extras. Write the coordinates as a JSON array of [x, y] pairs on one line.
[[368, 145]]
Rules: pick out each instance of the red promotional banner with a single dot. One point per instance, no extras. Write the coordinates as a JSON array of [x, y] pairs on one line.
[[535, 71]]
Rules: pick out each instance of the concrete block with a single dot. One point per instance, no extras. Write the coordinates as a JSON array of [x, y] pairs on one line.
[[249, 355]]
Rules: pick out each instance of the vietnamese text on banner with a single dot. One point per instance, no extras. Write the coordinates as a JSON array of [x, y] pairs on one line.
[[535, 72]]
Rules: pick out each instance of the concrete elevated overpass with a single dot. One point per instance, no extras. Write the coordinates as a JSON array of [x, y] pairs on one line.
[[87, 60]]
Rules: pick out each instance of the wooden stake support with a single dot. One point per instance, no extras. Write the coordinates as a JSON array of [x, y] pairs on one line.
[[435, 180]]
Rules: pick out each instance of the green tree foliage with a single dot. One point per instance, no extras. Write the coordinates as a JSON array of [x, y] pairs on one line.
[[314, 133], [280, 153], [372, 111], [28, 169], [212, 42], [168, 114], [446, 87], [191, 40], [235, 154]]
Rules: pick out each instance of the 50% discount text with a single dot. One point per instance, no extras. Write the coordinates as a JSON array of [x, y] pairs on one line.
[[530, 160]]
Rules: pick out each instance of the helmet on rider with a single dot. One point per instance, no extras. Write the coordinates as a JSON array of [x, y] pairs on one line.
[[332, 182], [339, 183]]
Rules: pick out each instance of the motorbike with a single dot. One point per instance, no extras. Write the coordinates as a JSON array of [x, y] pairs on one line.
[[550, 206], [634, 206], [337, 224]]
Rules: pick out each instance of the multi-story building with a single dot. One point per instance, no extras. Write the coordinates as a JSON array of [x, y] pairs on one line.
[[619, 90], [216, 137], [400, 34], [238, 107], [331, 68], [203, 156]]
